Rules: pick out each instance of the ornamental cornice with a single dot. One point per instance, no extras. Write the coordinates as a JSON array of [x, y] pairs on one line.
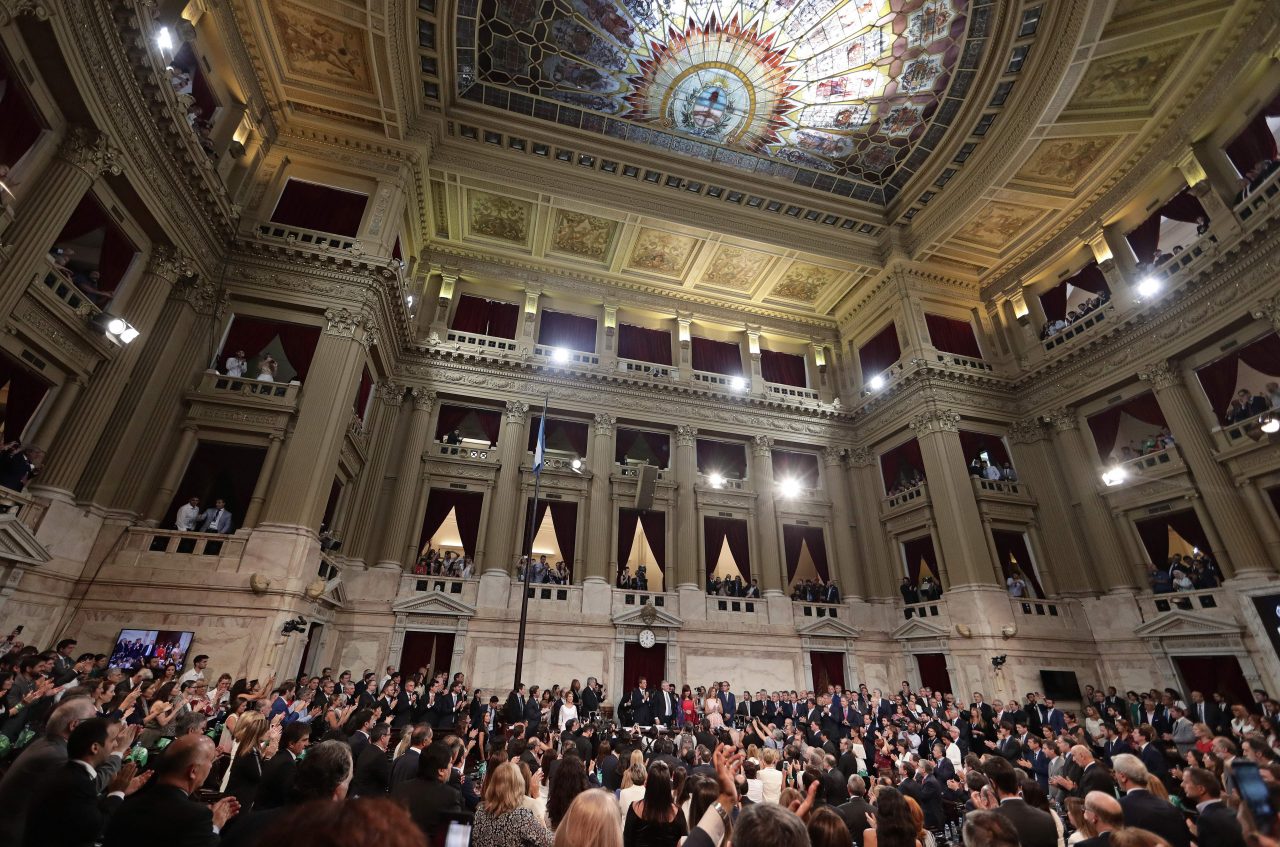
[[1161, 375], [202, 294], [169, 264], [935, 420], [91, 152]]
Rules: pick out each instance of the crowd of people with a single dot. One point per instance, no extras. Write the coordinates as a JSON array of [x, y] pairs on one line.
[[907, 479], [1083, 310], [1254, 177], [147, 755], [1246, 404], [926, 590], [542, 571], [980, 467], [447, 563], [1194, 572], [1151, 443], [816, 591], [733, 586], [237, 365]]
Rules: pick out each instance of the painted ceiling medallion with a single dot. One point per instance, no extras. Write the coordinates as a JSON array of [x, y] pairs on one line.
[[843, 87]]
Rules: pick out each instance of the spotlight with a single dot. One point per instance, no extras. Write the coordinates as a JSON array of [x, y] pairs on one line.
[[129, 334], [236, 149], [559, 355], [115, 328], [789, 488], [164, 39], [408, 299], [738, 384], [715, 480], [1115, 476], [1148, 287], [1270, 425], [876, 382], [576, 464]]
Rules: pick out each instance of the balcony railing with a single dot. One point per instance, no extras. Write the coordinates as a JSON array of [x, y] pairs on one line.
[[625, 597], [998, 486], [1259, 198], [28, 510], [307, 237], [902, 498], [734, 606], [968, 363], [1154, 465], [1206, 600], [171, 548], [725, 483], [722, 382], [465, 590], [469, 452], [276, 393], [818, 610], [1037, 608], [633, 471], [1078, 328], [928, 609], [65, 290], [1245, 432], [488, 342], [1204, 246], [650, 369], [791, 392], [577, 357]]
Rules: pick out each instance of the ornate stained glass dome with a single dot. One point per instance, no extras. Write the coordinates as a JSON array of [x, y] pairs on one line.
[[798, 88]]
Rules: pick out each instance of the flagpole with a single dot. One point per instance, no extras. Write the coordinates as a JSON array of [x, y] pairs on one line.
[[539, 450]]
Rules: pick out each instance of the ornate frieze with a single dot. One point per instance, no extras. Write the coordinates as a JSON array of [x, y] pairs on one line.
[[169, 263], [1027, 431]]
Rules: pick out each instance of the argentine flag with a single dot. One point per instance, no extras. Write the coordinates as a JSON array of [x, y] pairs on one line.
[[542, 440]]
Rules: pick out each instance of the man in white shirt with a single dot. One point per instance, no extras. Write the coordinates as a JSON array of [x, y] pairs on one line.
[[1017, 588], [237, 364], [991, 472], [189, 515], [217, 519], [196, 671]]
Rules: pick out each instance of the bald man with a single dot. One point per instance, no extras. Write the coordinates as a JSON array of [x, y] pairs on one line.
[[1103, 813], [164, 813]]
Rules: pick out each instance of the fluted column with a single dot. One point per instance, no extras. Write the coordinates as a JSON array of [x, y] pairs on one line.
[[847, 569], [601, 504], [173, 474], [263, 485], [81, 159], [324, 413], [401, 510], [1075, 458], [358, 541], [506, 509], [1262, 516], [882, 568], [768, 563], [960, 529], [687, 556], [1242, 549], [48, 428], [90, 431]]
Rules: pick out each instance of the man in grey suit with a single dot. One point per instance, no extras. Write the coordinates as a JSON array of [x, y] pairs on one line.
[[47, 755], [217, 519], [1034, 827]]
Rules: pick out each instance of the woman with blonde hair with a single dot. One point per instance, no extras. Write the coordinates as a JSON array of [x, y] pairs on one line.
[[770, 777], [590, 822], [255, 742], [632, 785], [500, 819], [712, 709]]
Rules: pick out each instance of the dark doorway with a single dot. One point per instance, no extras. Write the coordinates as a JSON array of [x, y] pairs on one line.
[[933, 671], [430, 650], [1214, 673], [828, 669], [313, 639], [647, 662], [219, 471]]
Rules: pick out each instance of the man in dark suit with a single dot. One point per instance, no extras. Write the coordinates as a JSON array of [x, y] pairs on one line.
[[1206, 712], [590, 698], [1007, 746], [372, 776], [359, 739], [277, 773], [854, 812], [66, 809], [641, 707], [930, 797], [1053, 716], [609, 766], [1103, 812], [982, 706], [1145, 810], [405, 768], [164, 813], [532, 713], [662, 704], [513, 711], [324, 774], [1034, 827], [429, 797], [1149, 751], [1215, 822], [1115, 743], [728, 701]]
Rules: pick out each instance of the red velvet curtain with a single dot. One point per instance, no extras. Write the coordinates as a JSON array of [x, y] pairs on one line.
[[570, 436], [1218, 674], [1011, 547], [472, 423], [1090, 278], [1219, 383], [504, 319], [644, 345], [249, 334], [783, 368], [901, 459], [715, 532], [717, 357], [490, 422], [793, 537], [564, 518], [952, 336], [637, 662], [800, 466], [628, 519], [1183, 206], [973, 443], [450, 418], [573, 332], [430, 650], [1145, 237], [933, 671], [828, 669], [468, 507], [1263, 355], [880, 352], [309, 205], [471, 315], [1105, 425], [1054, 303], [1155, 538], [727, 459], [24, 396], [739, 546], [362, 393], [439, 503], [1255, 142], [19, 124], [917, 550], [115, 253], [640, 444], [655, 532]]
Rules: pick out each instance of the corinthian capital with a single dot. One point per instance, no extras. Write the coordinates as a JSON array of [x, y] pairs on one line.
[[861, 457], [686, 436], [1268, 310], [342, 322], [762, 446], [935, 420], [1026, 431], [1161, 375], [604, 423], [168, 263], [516, 410], [390, 392], [89, 151], [1063, 419], [423, 399], [202, 294], [832, 456]]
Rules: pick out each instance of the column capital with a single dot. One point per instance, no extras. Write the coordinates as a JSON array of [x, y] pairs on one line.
[[686, 436], [761, 446], [1163, 374], [423, 399], [516, 410], [11, 9], [390, 392], [935, 420], [203, 295], [1268, 310], [861, 457], [91, 152], [342, 322], [604, 423], [833, 456], [1063, 419], [1026, 431], [168, 263]]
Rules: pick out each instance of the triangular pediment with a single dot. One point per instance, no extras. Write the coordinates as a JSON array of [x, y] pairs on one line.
[[638, 616], [433, 603], [828, 628], [919, 629], [335, 593], [18, 543], [1178, 622]]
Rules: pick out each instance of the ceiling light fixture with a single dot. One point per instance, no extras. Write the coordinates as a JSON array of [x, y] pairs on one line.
[[115, 328]]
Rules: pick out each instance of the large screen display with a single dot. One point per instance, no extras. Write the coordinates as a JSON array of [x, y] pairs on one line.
[[140, 646]]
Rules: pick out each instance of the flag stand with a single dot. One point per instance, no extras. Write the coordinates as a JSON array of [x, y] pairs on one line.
[[528, 543]]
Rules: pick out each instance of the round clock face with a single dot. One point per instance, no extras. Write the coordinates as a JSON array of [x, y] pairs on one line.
[[647, 638]]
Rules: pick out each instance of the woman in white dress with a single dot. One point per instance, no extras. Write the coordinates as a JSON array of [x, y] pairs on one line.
[[712, 709], [267, 368], [568, 710], [770, 777]]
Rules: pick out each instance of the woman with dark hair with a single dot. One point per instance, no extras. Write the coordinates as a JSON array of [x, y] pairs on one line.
[[893, 826], [655, 821], [569, 781], [827, 829]]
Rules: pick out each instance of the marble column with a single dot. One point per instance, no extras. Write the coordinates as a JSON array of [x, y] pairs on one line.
[[768, 566], [90, 430], [263, 485], [687, 555], [601, 503], [1075, 458], [1263, 518], [401, 512], [1242, 549], [63, 402], [960, 530], [173, 475], [82, 157], [358, 538], [881, 565], [847, 568], [508, 510], [324, 414]]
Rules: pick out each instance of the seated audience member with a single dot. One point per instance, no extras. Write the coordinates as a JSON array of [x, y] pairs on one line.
[[322, 776]]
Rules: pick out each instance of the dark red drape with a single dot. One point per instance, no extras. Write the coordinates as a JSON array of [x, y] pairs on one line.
[[880, 352], [1274, 495], [504, 319], [1090, 278], [395, 249], [569, 436], [799, 466], [310, 205], [1145, 238], [573, 332], [249, 334], [471, 315], [1183, 206], [564, 518], [1263, 355], [647, 662], [490, 422], [1218, 674], [644, 345], [642, 445], [952, 336], [1011, 547], [472, 423], [1155, 538], [972, 443], [439, 503], [430, 650], [1054, 303], [450, 418], [901, 459], [362, 393], [722, 457], [717, 357], [627, 521], [25, 393], [917, 550], [19, 124], [828, 669], [783, 368], [1187, 524], [468, 507], [115, 253], [226, 471], [1256, 141], [715, 532], [793, 537], [655, 532], [1105, 425]]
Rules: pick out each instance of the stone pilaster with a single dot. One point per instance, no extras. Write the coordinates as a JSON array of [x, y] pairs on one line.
[[847, 570], [768, 567], [687, 555], [358, 541], [882, 566], [507, 511], [1242, 549], [399, 527], [263, 486], [601, 504], [1263, 518]]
